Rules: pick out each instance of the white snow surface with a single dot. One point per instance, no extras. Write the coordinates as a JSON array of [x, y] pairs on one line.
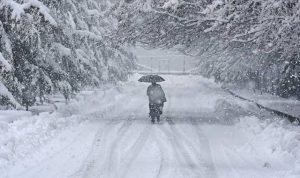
[[106, 133], [63, 51], [286, 105], [171, 3]]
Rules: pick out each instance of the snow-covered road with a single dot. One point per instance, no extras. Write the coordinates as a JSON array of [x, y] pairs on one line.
[[205, 132]]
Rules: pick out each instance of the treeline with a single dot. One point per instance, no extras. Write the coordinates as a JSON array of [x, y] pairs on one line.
[[235, 41], [49, 46]]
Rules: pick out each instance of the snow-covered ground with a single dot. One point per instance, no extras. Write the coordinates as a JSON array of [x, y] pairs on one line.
[[286, 105], [106, 133]]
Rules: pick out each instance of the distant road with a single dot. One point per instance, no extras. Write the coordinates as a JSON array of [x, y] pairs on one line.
[[145, 70], [164, 73]]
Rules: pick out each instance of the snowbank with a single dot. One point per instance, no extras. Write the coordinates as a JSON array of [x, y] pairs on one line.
[[276, 138], [22, 133], [289, 106]]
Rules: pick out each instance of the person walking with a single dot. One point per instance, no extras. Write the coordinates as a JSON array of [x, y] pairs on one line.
[[157, 99]]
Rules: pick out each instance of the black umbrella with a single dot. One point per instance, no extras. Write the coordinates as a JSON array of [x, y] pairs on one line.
[[151, 79]]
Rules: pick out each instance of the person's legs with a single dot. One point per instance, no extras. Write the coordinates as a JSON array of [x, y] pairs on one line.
[[158, 118], [157, 112], [152, 112], [161, 106], [153, 120]]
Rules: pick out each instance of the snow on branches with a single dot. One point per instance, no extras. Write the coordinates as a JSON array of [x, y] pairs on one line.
[[4, 65], [170, 4], [18, 9], [252, 38], [58, 46]]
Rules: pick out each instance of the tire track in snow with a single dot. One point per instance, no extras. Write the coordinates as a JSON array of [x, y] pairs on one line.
[[188, 143], [133, 152], [167, 156], [188, 166], [90, 160], [182, 160], [208, 161], [161, 164], [105, 160], [190, 153], [94, 165], [112, 160]]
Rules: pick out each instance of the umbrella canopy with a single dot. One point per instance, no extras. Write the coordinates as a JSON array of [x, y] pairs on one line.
[[151, 79]]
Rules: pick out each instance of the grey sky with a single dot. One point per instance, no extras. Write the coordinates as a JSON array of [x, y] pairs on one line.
[[164, 58]]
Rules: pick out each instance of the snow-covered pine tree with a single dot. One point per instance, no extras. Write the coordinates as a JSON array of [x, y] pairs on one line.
[[59, 46]]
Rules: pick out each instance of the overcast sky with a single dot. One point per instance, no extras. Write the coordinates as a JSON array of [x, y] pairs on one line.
[[163, 58]]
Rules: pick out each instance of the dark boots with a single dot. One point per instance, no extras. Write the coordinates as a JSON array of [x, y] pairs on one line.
[[158, 119], [153, 119]]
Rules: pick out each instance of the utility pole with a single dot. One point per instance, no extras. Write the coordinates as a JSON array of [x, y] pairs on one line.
[[151, 64], [169, 66], [184, 65], [158, 66]]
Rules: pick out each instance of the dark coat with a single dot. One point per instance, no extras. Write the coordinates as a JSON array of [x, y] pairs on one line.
[[156, 94]]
